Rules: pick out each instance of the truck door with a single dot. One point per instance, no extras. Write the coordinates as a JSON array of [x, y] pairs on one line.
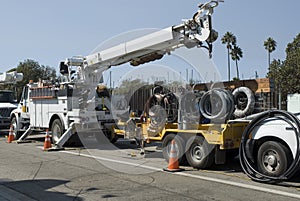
[[24, 102]]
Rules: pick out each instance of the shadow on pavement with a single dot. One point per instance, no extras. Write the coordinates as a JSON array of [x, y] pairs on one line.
[[39, 189]]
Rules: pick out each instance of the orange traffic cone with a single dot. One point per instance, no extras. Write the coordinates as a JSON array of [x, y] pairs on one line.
[[47, 143], [11, 135], [173, 159]]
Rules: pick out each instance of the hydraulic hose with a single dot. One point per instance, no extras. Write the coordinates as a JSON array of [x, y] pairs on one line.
[[249, 167]]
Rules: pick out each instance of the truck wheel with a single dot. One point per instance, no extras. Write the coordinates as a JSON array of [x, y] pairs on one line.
[[273, 158], [57, 130], [180, 147], [199, 153], [14, 123]]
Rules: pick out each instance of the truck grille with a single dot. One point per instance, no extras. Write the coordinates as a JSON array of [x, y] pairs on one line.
[[5, 112]]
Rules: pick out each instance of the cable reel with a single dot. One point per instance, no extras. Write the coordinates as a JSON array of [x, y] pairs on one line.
[[246, 154], [217, 105]]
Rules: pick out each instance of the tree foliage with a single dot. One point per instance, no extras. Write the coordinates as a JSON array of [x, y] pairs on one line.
[[270, 45], [286, 74], [236, 54], [230, 40], [32, 70], [233, 50], [129, 86]]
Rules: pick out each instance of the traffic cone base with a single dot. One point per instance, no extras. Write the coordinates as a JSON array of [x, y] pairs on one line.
[[47, 143], [173, 159], [11, 136], [173, 170]]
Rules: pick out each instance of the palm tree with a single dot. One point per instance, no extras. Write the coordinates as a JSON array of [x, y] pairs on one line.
[[236, 54], [229, 39], [270, 46]]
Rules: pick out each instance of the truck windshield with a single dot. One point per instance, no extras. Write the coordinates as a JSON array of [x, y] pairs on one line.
[[7, 97]]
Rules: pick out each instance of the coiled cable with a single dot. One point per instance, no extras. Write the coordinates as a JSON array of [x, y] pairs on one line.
[[248, 167]]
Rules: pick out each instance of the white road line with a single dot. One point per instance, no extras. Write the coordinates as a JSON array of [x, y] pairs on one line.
[[114, 161], [232, 183]]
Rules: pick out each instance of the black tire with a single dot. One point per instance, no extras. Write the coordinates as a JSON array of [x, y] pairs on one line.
[[180, 145], [199, 153], [244, 100], [17, 134], [273, 158], [57, 130]]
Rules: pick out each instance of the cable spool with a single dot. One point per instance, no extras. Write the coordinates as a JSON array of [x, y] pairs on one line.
[[217, 105], [246, 154], [244, 100]]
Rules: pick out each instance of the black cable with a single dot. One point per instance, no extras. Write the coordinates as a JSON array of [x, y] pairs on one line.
[[249, 168]]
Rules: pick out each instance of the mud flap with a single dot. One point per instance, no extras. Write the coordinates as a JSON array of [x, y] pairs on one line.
[[220, 156]]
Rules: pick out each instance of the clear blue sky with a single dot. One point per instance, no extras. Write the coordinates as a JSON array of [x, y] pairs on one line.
[[50, 31]]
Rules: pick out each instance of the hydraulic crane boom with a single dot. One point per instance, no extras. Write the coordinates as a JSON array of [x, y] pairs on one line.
[[72, 103], [192, 32]]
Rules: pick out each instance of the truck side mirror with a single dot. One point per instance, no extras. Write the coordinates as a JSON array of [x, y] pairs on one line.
[[63, 68]]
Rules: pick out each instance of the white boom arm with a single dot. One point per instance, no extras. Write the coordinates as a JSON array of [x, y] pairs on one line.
[[11, 77], [192, 32]]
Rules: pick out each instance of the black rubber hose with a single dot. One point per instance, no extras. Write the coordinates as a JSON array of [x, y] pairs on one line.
[[248, 166]]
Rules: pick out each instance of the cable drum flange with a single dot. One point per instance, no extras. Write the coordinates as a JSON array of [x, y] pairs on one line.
[[244, 100], [217, 105], [249, 167]]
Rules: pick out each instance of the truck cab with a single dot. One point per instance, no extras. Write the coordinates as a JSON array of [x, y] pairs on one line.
[[8, 103]]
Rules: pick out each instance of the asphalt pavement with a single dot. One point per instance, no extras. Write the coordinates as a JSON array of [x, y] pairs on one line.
[[105, 172]]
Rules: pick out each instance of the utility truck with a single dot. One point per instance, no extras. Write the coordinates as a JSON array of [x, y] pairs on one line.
[[7, 104], [71, 104], [268, 143]]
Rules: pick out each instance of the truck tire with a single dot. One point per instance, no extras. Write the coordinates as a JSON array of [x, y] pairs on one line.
[[17, 134], [57, 130], [180, 146], [244, 100], [273, 158], [199, 153]]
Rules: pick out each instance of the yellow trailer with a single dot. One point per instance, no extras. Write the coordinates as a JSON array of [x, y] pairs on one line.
[[199, 145]]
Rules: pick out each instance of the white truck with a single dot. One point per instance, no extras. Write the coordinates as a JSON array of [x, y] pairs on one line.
[[70, 103], [8, 100], [7, 104]]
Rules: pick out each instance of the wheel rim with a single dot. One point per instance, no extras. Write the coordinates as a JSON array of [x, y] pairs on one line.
[[14, 127], [197, 153], [271, 161], [56, 132]]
